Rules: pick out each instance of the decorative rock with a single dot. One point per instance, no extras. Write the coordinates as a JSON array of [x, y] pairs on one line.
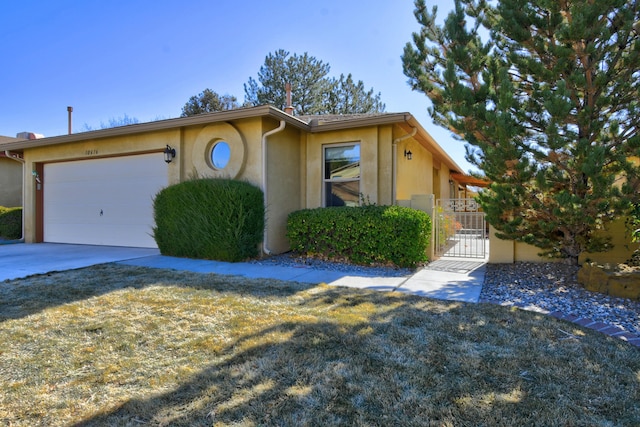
[[553, 287], [620, 284]]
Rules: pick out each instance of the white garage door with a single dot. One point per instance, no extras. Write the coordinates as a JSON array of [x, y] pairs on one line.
[[103, 201]]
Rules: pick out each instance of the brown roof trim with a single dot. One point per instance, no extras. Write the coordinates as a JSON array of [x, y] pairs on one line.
[[317, 124], [307, 123], [463, 179], [220, 116]]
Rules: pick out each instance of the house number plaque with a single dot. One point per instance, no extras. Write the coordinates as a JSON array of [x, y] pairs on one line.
[[91, 152]]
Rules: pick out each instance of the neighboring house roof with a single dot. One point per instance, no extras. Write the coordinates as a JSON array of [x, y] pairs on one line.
[[4, 140], [312, 124]]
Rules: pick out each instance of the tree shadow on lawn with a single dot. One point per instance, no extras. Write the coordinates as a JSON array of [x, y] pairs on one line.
[[366, 358], [23, 297], [411, 361]]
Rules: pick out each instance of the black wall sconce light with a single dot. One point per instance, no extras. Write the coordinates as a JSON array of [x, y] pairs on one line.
[[408, 154], [169, 154]]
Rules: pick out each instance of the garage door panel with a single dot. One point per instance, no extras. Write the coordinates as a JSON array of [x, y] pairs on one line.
[[97, 215], [103, 201], [107, 235]]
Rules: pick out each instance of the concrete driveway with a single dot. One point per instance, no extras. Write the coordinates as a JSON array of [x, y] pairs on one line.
[[25, 259]]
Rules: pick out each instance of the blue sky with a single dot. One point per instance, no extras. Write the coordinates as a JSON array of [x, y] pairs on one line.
[[145, 58]]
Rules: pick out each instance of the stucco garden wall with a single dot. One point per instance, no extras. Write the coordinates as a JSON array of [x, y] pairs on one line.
[[508, 251]]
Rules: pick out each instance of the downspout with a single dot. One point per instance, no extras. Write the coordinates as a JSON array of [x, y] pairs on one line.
[[394, 162], [280, 128], [15, 157]]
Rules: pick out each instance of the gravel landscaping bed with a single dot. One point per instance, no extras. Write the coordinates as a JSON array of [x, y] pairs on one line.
[[542, 287], [549, 287]]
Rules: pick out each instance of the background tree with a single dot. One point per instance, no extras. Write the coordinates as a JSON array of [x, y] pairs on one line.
[[313, 92], [307, 75], [549, 107], [347, 97], [208, 101], [112, 123]]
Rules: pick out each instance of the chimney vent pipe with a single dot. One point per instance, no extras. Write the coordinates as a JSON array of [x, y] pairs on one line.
[[289, 108], [69, 110]]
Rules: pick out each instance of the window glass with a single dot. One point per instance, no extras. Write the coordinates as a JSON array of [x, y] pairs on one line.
[[220, 155], [342, 162], [342, 175]]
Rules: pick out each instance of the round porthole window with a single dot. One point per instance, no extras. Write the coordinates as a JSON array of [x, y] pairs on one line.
[[220, 155]]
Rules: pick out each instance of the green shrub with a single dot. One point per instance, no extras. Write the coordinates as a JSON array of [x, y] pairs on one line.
[[362, 235], [218, 219], [10, 223]]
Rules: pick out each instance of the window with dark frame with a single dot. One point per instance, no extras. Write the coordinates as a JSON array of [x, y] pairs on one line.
[[341, 175]]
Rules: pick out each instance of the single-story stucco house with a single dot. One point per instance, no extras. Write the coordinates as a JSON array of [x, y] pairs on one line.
[[97, 187]]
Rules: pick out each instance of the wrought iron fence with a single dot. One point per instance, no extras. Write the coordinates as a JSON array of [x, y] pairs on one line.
[[460, 229]]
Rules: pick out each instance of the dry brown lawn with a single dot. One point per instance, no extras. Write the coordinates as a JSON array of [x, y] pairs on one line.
[[128, 346]]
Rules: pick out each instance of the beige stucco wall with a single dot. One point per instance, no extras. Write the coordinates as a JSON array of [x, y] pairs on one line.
[[369, 174], [414, 176], [11, 179], [508, 251], [622, 250], [376, 164], [283, 185], [385, 165]]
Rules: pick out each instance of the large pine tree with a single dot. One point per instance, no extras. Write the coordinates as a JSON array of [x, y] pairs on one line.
[[313, 91], [546, 93]]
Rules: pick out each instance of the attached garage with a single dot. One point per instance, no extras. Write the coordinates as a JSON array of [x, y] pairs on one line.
[[106, 201]]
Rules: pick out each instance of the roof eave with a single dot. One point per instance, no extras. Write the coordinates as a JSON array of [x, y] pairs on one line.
[[317, 125], [200, 119]]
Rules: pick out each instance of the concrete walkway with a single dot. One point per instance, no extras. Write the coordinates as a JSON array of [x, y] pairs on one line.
[[447, 278]]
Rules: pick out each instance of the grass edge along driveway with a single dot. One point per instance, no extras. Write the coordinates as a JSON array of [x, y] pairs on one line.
[[119, 345]]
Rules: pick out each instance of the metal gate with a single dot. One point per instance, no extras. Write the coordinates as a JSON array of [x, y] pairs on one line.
[[460, 229]]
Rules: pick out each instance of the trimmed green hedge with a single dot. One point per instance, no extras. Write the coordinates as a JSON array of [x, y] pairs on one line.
[[218, 219], [10, 223], [362, 235]]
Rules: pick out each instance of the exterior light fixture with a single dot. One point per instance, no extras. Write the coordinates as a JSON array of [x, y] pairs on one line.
[[169, 154], [408, 154]]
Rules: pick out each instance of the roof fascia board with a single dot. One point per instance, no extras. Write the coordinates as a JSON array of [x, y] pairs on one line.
[[200, 119], [317, 125]]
